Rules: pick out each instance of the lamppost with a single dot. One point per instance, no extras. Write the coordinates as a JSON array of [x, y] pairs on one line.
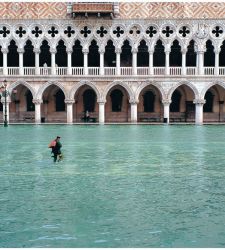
[[5, 93]]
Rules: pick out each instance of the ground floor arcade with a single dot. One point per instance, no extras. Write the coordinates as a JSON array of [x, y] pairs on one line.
[[114, 102]]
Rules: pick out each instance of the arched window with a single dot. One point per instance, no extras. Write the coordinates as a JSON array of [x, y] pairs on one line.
[[45, 55], [29, 100], [59, 101], [191, 55], [126, 55], [175, 104], [149, 101], [1, 106], [175, 54], [117, 100], [61, 55], [159, 55], [209, 55], [1, 58], [110, 55], [89, 98], [208, 106], [93, 55], [142, 55], [77, 55], [13, 55], [28, 55]]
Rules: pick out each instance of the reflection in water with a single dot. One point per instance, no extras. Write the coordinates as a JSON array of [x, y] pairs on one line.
[[117, 186]]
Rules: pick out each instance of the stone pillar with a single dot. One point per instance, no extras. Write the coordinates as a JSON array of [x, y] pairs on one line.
[[5, 68], [166, 113], [69, 111], [133, 112], [200, 56], [118, 52], [85, 52], [53, 68], [69, 61], [217, 52], [151, 69], [199, 111], [21, 51], [37, 111], [184, 69], [134, 61], [101, 112], [167, 52], [101, 52], [37, 64]]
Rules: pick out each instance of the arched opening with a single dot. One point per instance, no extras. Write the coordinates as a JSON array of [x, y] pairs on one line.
[[175, 104], [29, 56], [77, 55], [175, 55], [1, 106], [59, 101], [89, 100], [126, 55], [61, 54], [110, 55], [159, 55], [1, 57], [208, 106], [29, 101], [143, 55], [45, 55], [93, 55], [191, 55], [13, 55], [116, 100], [149, 101], [209, 55], [222, 55]]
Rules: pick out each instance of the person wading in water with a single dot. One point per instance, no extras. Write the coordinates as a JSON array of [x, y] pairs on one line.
[[56, 146]]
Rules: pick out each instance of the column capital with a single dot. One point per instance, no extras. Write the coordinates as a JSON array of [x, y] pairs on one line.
[[101, 50], [118, 50], [199, 101], [53, 50], [184, 50], [69, 50], [85, 50], [134, 50], [68, 101], [217, 50], [200, 48], [37, 50], [4, 50], [20, 50], [37, 101], [151, 50], [101, 101], [166, 101], [133, 101]]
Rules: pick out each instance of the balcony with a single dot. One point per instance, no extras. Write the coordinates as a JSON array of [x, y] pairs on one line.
[[110, 71]]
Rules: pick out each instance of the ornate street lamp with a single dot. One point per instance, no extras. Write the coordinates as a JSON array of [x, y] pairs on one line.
[[4, 93]]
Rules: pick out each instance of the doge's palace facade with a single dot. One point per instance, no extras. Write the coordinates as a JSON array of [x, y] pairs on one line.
[[121, 62]]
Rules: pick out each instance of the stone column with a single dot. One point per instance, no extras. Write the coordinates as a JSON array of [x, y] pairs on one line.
[[217, 52], [134, 61], [199, 111], [166, 113], [133, 112], [5, 68], [184, 69], [21, 51], [118, 52], [37, 63], [85, 52], [53, 68], [151, 69], [69, 61], [69, 111], [167, 52], [101, 112], [101, 52], [37, 111]]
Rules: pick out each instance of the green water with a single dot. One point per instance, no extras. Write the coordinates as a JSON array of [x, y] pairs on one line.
[[117, 186]]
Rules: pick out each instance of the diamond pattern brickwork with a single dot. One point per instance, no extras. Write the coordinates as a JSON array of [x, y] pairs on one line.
[[29, 10], [172, 10]]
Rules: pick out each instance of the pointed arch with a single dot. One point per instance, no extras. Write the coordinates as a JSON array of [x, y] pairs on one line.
[[123, 84], [46, 85], [75, 88], [206, 88], [24, 83]]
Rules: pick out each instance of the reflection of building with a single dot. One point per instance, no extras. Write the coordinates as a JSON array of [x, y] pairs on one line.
[[124, 62]]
